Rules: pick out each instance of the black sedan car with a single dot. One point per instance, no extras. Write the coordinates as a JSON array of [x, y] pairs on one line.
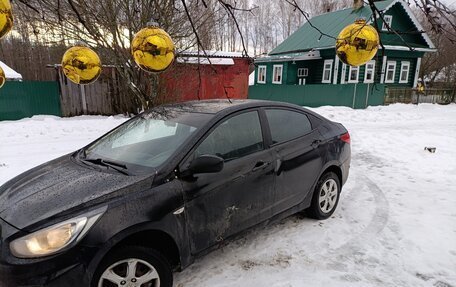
[[165, 187]]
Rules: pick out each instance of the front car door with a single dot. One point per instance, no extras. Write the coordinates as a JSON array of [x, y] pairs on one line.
[[298, 159], [219, 205]]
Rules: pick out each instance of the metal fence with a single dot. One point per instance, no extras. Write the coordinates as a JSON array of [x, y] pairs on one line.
[[412, 96], [358, 96], [28, 98]]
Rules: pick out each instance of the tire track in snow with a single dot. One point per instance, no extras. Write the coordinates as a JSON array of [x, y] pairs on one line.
[[381, 214], [357, 249]]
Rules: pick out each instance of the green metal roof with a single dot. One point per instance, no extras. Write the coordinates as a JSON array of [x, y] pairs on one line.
[[307, 37]]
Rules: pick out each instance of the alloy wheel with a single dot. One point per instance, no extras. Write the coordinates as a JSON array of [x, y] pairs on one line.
[[328, 195], [130, 273]]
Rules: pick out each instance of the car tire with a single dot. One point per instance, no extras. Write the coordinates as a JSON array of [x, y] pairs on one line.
[[149, 266], [326, 196]]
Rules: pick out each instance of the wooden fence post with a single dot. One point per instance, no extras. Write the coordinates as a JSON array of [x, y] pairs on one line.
[[83, 99]]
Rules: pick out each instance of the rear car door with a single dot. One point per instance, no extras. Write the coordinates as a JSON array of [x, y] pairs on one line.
[[298, 160], [219, 205]]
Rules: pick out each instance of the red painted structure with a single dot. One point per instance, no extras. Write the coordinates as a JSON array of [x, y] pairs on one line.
[[227, 75]]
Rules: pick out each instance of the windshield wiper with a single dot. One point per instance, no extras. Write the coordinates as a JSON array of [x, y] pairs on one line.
[[109, 164]]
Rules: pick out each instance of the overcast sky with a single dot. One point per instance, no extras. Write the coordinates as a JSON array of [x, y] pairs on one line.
[[450, 2]]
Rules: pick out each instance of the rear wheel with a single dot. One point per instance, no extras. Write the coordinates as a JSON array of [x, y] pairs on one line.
[[134, 267], [325, 197]]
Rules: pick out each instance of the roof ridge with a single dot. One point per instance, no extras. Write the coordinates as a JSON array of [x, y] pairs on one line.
[[350, 8], [330, 12]]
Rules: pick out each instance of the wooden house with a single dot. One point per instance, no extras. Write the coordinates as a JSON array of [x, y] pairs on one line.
[[304, 68]]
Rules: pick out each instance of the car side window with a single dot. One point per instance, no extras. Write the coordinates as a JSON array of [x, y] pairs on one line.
[[236, 137], [286, 125]]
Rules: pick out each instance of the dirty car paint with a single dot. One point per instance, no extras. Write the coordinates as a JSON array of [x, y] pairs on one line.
[[193, 213]]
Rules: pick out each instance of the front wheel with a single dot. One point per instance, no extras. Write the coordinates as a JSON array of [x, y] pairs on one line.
[[134, 267], [325, 197]]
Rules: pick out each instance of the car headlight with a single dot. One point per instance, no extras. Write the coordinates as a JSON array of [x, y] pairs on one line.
[[53, 239]]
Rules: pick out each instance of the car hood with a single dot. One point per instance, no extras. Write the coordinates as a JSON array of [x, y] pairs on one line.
[[59, 186]]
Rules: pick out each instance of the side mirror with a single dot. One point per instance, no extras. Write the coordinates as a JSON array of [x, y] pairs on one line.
[[206, 164]]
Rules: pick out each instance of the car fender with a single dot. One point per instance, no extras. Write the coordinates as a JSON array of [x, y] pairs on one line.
[[158, 212], [306, 202]]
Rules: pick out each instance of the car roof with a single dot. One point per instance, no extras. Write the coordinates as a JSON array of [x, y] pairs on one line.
[[225, 105]]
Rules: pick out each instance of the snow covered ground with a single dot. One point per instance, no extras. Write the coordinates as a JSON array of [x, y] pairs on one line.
[[395, 225]]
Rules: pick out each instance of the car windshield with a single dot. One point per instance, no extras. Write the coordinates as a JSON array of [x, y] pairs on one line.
[[145, 142]]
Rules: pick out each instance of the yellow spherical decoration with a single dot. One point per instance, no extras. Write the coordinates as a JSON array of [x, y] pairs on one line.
[[81, 65], [6, 17], [357, 44], [2, 77], [153, 49]]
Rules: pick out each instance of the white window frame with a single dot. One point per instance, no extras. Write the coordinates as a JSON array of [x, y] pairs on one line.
[[336, 69], [343, 74], [404, 64], [274, 74], [372, 62], [328, 81], [305, 72], [383, 73], [259, 81], [388, 63], [389, 20], [417, 72], [350, 73]]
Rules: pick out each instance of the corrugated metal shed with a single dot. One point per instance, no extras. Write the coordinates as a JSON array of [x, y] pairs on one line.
[[209, 57], [211, 54], [205, 61]]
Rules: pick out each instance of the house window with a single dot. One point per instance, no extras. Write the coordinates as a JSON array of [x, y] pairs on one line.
[[353, 75], [390, 71], [277, 74], [327, 71], [261, 75], [303, 72], [388, 20], [369, 73], [405, 70]]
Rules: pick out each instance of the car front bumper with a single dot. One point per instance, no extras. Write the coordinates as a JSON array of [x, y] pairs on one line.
[[66, 269], [15, 276]]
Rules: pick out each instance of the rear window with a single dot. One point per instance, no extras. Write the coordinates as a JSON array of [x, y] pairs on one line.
[[286, 125]]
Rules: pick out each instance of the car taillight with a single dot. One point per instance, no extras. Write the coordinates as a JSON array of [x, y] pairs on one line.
[[345, 138]]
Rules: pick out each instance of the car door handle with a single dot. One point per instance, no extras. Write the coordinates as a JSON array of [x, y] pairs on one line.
[[260, 165], [316, 143]]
